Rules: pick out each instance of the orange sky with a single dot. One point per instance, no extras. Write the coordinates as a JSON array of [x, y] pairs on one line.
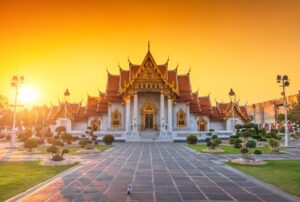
[[59, 44]]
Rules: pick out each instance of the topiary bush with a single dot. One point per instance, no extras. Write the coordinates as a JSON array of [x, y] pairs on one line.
[[192, 139], [237, 143], [108, 139], [213, 142], [30, 144], [251, 144], [257, 152]]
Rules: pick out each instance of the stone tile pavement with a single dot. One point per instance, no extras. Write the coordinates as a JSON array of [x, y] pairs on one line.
[[158, 172]]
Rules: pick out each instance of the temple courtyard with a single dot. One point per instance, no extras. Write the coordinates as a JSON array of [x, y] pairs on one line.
[[157, 172]]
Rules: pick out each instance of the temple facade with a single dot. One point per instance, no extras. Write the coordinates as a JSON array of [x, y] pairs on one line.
[[149, 102]]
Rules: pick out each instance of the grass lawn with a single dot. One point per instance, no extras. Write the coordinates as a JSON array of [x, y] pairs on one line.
[[72, 149], [228, 149], [17, 177], [283, 174]]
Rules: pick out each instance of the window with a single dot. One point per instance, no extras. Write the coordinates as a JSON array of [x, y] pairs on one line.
[[201, 124], [116, 119], [96, 124], [181, 119]]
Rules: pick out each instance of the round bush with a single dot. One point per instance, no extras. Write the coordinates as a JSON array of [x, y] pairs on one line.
[[57, 158], [214, 137], [82, 143], [30, 144], [52, 149], [108, 139], [237, 143], [244, 150], [251, 144], [209, 144], [192, 139], [232, 140], [257, 152]]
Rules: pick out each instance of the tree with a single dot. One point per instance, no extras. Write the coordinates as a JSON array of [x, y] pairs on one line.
[[280, 118], [57, 150], [294, 113], [60, 130], [213, 142]]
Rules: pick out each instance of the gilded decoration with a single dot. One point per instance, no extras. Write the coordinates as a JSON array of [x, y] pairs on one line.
[[181, 119], [149, 113], [116, 119], [202, 124]]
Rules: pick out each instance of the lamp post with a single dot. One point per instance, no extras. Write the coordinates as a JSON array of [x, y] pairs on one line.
[[232, 100], [16, 82], [66, 94], [254, 113], [284, 82]]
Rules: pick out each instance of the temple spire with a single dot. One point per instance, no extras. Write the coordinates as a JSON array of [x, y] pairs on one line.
[[148, 46]]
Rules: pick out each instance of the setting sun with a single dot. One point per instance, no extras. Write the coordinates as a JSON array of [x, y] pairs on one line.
[[29, 95]]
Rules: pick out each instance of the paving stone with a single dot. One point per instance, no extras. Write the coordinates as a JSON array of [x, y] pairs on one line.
[[183, 189], [158, 172], [165, 189], [218, 197], [192, 196], [272, 198], [167, 197], [245, 197]]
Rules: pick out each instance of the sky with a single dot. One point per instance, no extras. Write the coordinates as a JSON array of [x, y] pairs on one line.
[[227, 44]]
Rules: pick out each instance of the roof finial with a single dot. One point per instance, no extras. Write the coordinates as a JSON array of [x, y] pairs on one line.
[[120, 68], [107, 71], [189, 71], [130, 63], [167, 62], [148, 46]]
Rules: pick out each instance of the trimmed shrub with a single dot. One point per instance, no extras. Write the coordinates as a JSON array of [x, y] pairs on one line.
[[257, 152], [232, 140], [57, 158], [30, 144], [273, 143], [75, 138], [237, 143], [244, 150], [191, 139], [109, 139], [251, 144], [52, 149]]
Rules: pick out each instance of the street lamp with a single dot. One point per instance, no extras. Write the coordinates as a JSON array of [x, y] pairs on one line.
[[254, 113], [284, 82], [232, 100], [66, 94], [16, 82]]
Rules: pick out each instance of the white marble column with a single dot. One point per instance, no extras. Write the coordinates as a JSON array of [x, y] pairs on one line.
[[135, 111], [127, 114], [109, 115], [187, 115], [170, 127], [162, 112]]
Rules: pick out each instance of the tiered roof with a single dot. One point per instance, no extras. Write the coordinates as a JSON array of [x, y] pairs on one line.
[[179, 84]]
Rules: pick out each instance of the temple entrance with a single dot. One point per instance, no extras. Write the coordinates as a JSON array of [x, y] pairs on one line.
[[149, 116], [148, 121]]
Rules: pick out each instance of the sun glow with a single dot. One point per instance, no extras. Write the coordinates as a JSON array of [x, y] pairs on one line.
[[29, 95]]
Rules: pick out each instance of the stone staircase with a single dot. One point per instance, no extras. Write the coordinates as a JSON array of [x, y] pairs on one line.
[[149, 136]]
